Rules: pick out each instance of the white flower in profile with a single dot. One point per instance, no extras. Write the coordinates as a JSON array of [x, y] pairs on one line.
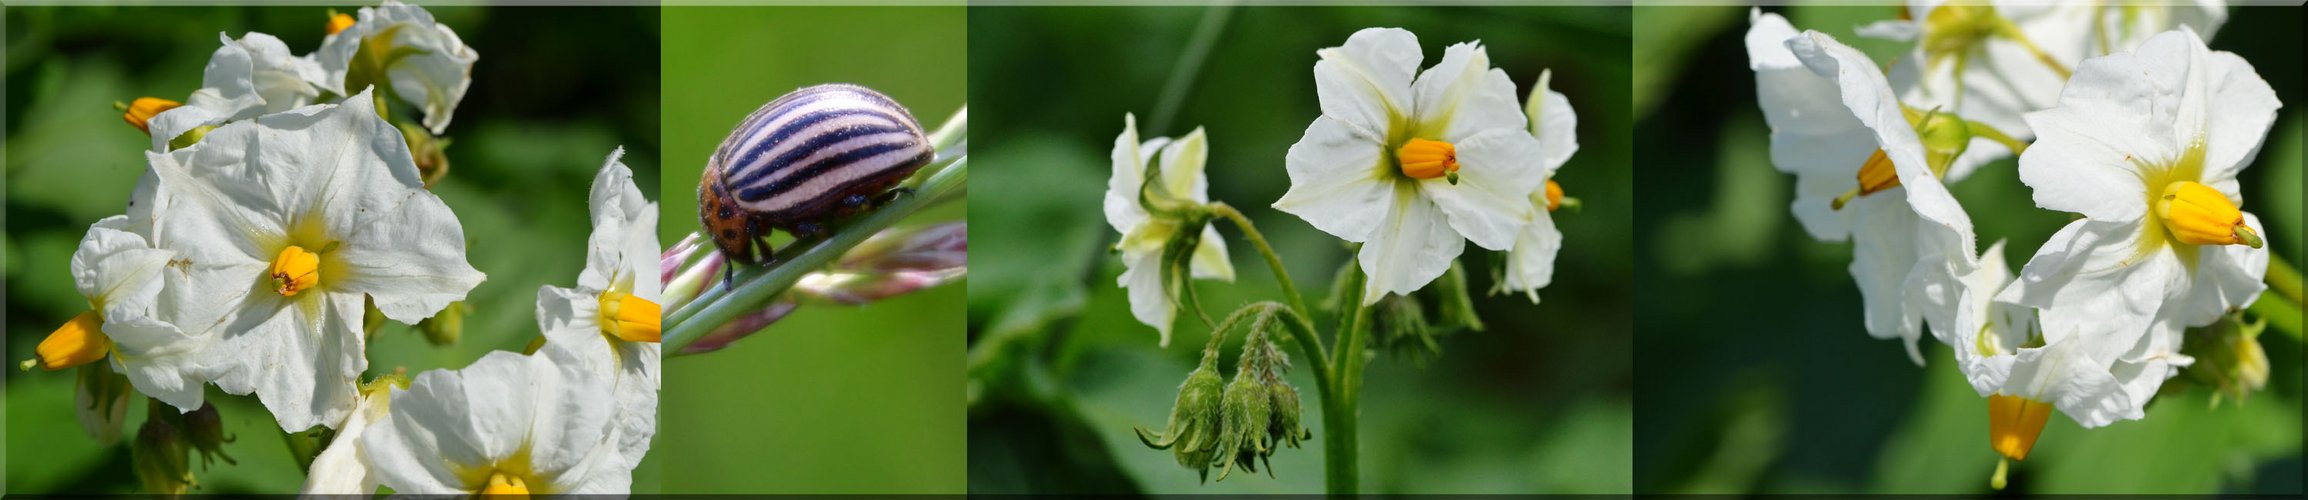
[[343, 468], [1531, 263], [1864, 172], [306, 214], [252, 76], [1992, 62], [611, 319], [399, 47], [508, 424], [1145, 233], [2146, 147], [128, 321], [1413, 169]]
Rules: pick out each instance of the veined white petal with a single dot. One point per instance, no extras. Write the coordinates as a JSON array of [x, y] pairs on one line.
[[1366, 83], [1868, 97], [1149, 301], [1339, 182], [1412, 245], [1884, 255], [343, 468], [1210, 260], [1499, 169], [2065, 374], [1182, 163], [2227, 277], [1128, 174], [1462, 96], [1531, 264], [1553, 122], [2091, 282], [434, 74]]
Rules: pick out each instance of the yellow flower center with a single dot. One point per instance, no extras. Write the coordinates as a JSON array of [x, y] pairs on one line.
[[1424, 159], [338, 22], [1554, 195], [140, 112], [2013, 423], [1874, 176], [501, 484], [295, 270], [2196, 214], [78, 342], [628, 317]]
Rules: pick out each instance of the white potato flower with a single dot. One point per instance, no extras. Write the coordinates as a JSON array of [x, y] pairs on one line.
[[343, 468], [2146, 146], [1994, 61], [252, 76], [507, 424], [1413, 169], [306, 214], [611, 319], [1531, 263], [1145, 233], [1864, 172], [130, 322], [399, 47]]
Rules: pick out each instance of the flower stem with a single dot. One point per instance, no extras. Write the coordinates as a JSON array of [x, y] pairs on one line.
[[1274, 261], [2012, 32], [1338, 403], [2284, 279], [762, 284]]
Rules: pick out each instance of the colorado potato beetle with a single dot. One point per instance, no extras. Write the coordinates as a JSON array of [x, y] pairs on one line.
[[804, 160]]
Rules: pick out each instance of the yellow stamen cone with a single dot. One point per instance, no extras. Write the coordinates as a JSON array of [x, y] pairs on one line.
[[338, 22], [1554, 195], [1877, 174], [78, 342], [140, 112], [295, 270], [2013, 424], [2196, 214], [500, 484], [1424, 159], [629, 317]]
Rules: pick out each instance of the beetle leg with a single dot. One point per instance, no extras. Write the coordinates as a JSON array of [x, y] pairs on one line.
[[892, 195]]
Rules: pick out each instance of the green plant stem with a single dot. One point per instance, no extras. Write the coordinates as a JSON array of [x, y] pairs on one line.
[[1339, 412], [762, 284], [1297, 302], [2284, 279]]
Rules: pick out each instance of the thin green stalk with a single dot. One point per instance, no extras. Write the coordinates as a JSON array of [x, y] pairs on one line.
[[2284, 279], [1189, 65], [1339, 412], [1274, 262], [759, 285]]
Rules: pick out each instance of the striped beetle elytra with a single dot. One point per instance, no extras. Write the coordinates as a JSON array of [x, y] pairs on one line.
[[801, 161]]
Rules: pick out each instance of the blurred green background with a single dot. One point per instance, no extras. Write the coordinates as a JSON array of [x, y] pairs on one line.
[[829, 400], [554, 91], [1759, 376], [1060, 372]]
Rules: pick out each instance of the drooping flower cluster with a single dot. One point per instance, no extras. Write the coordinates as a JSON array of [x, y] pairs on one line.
[[1238, 423], [280, 211], [2139, 131]]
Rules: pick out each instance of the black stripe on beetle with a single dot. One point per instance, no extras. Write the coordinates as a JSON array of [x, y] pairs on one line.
[[804, 160]]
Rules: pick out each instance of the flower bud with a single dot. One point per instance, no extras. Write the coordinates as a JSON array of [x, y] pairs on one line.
[[444, 328], [426, 149], [744, 326], [159, 458], [100, 398], [1193, 432], [1247, 415], [2229, 357], [1399, 325], [1289, 427], [204, 430]]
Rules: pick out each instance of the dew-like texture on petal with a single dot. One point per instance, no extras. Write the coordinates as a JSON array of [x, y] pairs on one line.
[[1339, 182], [2227, 277], [1462, 96], [2091, 282], [1812, 135], [1411, 247], [1499, 169], [1554, 123], [1531, 265], [343, 468], [1366, 83]]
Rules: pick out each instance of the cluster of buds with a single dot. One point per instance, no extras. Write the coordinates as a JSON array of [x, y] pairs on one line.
[[887, 265], [1407, 325], [1243, 422], [2228, 357], [163, 447]]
